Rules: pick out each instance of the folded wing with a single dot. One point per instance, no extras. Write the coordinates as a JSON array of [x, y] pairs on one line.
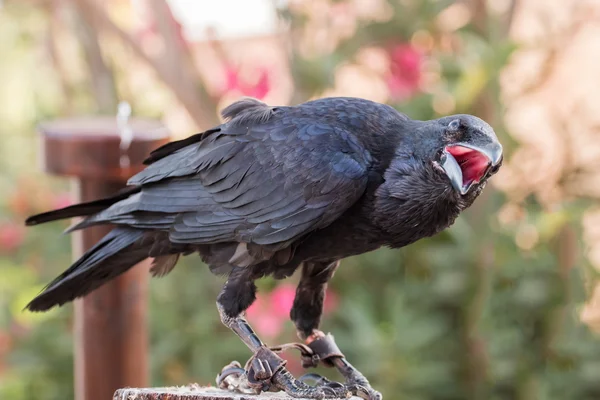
[[267, 177]]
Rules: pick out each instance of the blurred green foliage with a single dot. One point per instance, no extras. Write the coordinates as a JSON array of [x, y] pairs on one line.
[[467, 314]]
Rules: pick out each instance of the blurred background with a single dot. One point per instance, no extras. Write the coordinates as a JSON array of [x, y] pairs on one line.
[[504, 305]]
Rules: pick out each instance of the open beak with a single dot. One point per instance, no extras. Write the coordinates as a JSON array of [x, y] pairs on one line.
[[466, 164]]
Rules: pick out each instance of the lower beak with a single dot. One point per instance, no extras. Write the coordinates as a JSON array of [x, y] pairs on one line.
[[450, 165]]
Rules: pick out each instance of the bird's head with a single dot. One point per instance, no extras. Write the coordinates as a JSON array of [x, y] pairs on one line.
[[438, 170], [467, 152]]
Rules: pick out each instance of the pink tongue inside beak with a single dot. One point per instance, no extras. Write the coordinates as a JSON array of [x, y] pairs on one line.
[[473, 164]]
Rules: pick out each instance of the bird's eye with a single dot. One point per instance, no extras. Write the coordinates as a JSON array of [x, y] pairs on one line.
[[454, 125], [439, 153]]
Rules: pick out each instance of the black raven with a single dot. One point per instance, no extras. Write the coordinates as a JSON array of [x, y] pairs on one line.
[[273, 189]]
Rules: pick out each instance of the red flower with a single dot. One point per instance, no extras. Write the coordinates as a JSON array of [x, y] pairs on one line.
[[256, 308], [282, 299], [270, 311], [267, 323], [331, 301], [258, 89], [5, 347], [405, 71], [11, 237]]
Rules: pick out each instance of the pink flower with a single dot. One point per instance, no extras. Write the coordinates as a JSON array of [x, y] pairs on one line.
[[282, 299], [258, 89], [269, 325], [11, 237], [256, 308], [405, 71], [331, 301], [262, 318], [271, 311]]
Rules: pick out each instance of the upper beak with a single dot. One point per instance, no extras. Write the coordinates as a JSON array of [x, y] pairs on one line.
[[493, 152]]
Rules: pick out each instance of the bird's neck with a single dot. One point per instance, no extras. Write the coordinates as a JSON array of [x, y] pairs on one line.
[[414, 203]]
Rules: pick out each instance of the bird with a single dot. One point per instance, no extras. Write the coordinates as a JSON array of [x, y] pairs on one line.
[[276, 189]]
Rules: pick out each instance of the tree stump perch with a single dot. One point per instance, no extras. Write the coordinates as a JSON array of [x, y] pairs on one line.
[[195, 392], [110, 323]]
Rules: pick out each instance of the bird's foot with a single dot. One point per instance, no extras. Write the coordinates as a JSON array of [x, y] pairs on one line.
[[233, 378], [343, 390], [265, 372], [321, 348]]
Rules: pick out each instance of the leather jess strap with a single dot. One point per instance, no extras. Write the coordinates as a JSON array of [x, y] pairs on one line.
[[319, 348], [325, 348]]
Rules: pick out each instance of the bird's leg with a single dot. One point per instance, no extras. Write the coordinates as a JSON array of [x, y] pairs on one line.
[[306, 314], [265, 371], [308, 304]]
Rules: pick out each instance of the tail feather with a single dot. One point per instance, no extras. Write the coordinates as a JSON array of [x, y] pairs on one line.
[[117, 252], [82, 209]]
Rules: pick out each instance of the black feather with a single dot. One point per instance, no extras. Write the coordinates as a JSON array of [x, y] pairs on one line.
[[110, 257], [172, 147], [81, 209], [247, 111]]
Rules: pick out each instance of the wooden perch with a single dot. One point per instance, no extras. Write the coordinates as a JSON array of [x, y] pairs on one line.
[[193, 392], [110, 323]]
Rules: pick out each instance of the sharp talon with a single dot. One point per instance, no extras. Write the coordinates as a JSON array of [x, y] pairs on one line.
[[363, 393], [318, 379], [233, 378], [366, 393], [334, 384], [228, 371], [329, 390], [235, 364]]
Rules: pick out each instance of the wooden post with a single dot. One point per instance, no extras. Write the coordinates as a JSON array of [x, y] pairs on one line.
[[110, 323]]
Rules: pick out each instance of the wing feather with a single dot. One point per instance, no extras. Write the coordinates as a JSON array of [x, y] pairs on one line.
[[266, 179]]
